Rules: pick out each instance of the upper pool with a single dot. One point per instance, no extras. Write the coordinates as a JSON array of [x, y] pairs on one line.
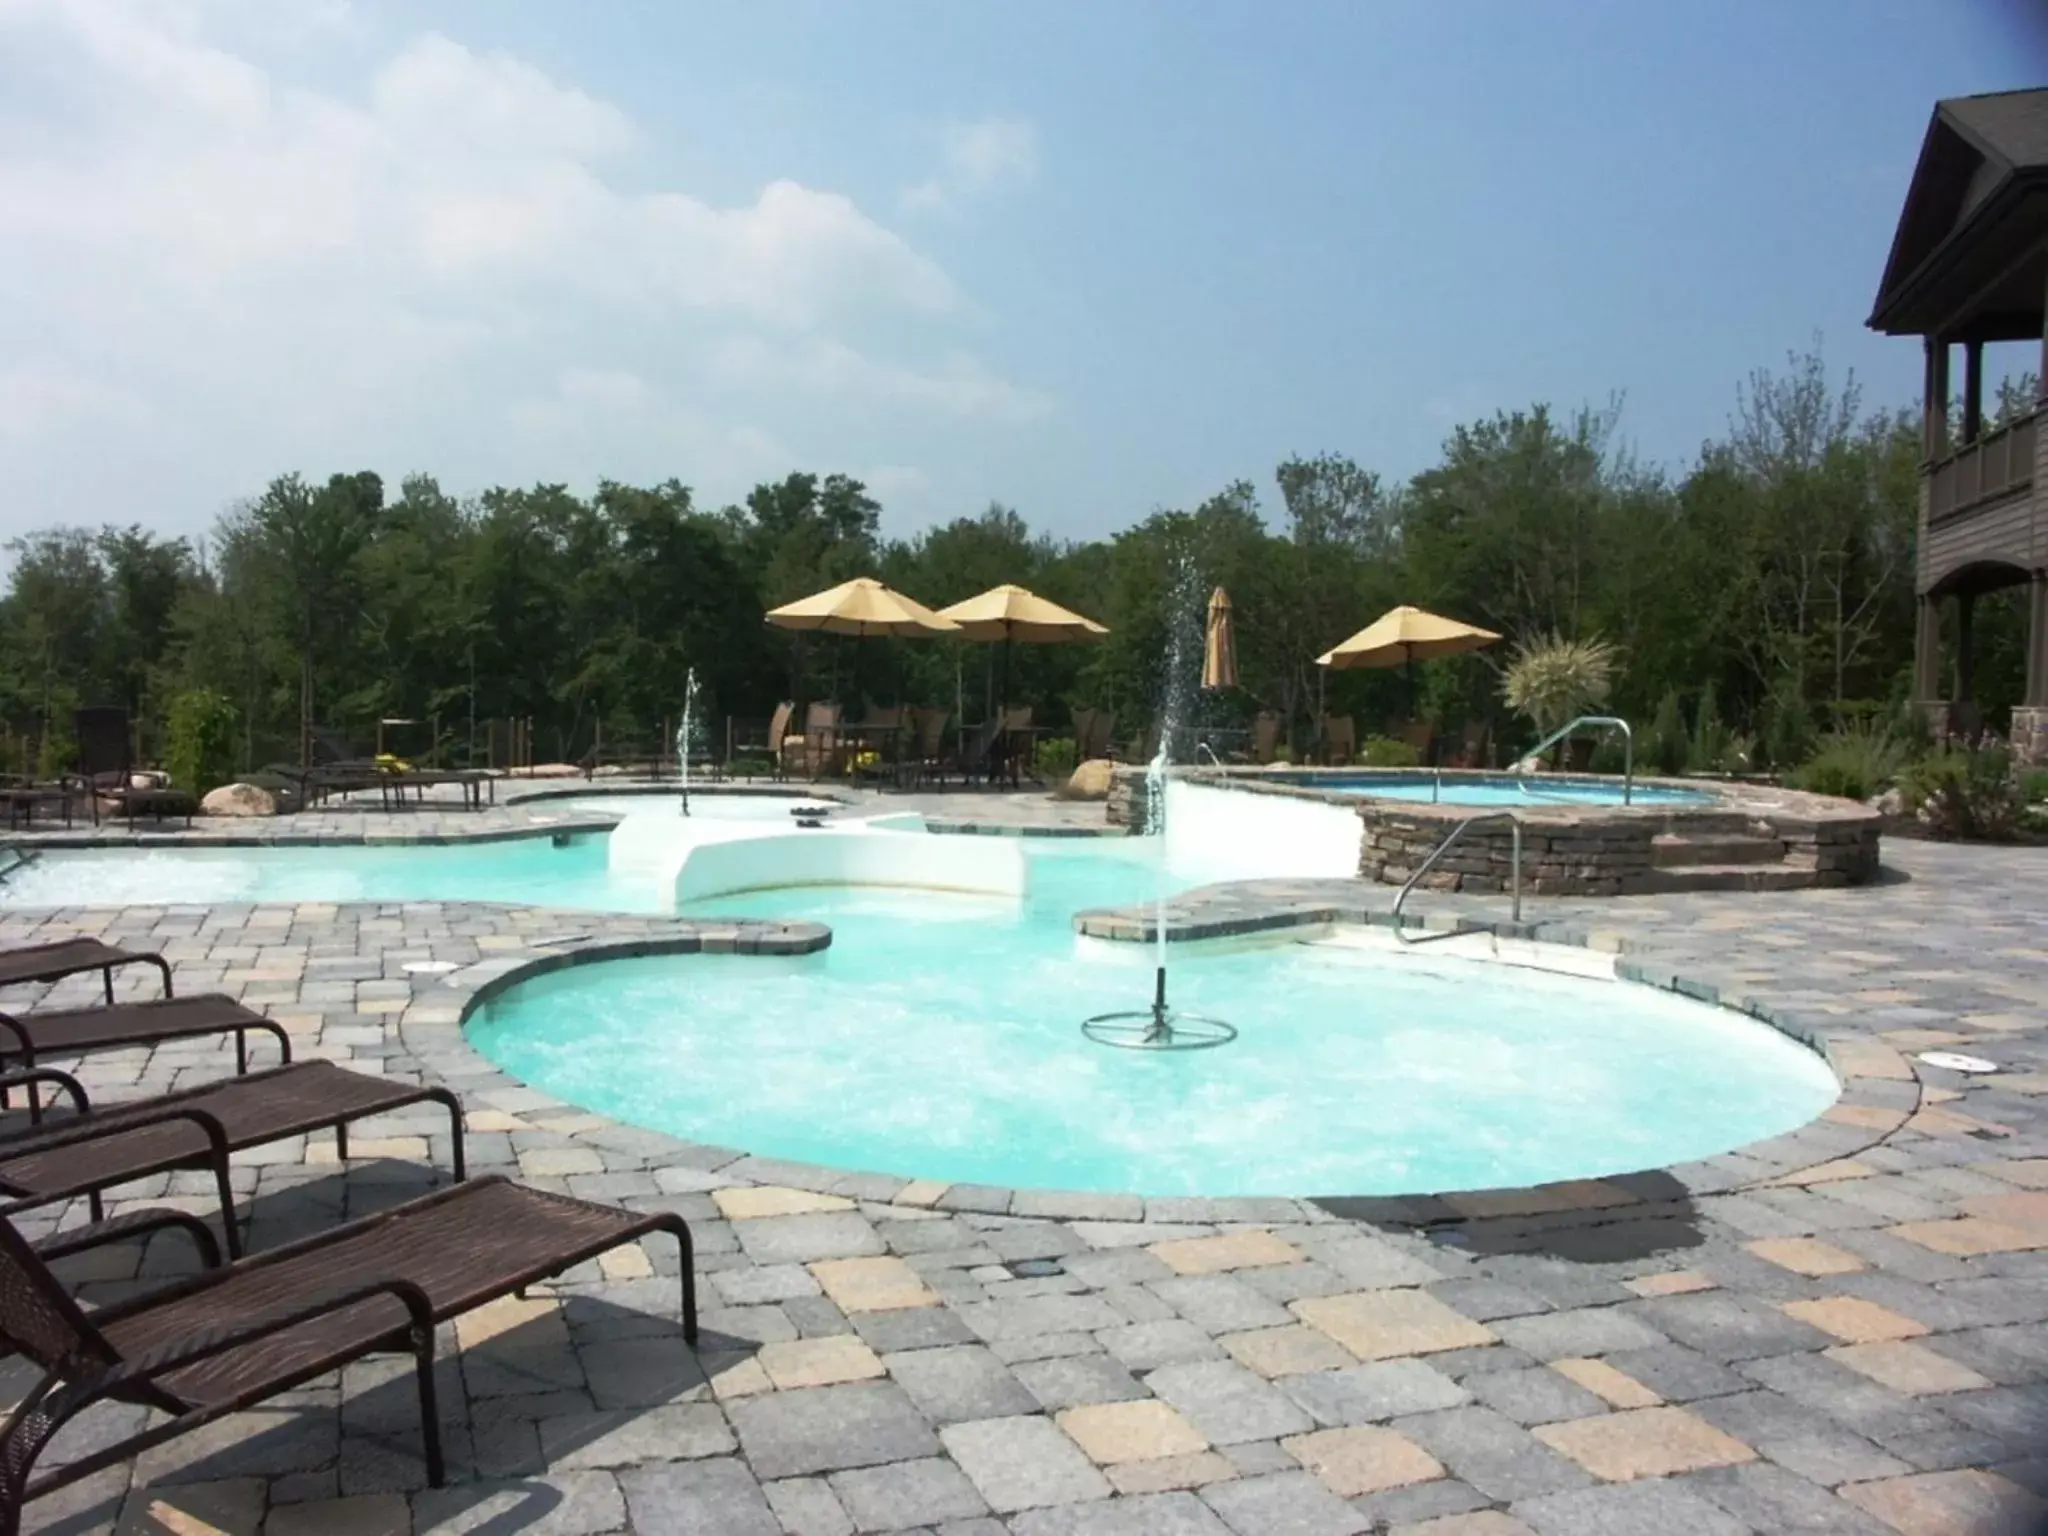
[[1530, 790]]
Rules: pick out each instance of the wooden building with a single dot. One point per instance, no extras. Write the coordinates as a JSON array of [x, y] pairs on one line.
[[1969, 265]]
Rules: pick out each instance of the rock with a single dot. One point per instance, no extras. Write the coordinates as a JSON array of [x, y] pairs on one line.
[[1090, 781], [1891, 803], [238, 800]]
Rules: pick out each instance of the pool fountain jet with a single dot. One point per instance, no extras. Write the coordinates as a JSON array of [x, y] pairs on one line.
[[1159, 1028], [684, 736]]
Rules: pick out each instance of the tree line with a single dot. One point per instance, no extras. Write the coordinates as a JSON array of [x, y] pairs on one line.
[[1770, 584]]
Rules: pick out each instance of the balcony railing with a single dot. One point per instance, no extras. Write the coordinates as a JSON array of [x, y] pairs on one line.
[[1997, 464]]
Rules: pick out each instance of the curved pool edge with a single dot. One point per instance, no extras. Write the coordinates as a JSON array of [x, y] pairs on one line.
[[1880, 1092]]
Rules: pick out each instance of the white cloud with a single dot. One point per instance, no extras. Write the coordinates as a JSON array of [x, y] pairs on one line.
[[975, 157], [242, 274], [956, 384]]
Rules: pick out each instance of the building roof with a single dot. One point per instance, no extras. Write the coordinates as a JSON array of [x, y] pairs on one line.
[[2012, 125], [1961, 262]]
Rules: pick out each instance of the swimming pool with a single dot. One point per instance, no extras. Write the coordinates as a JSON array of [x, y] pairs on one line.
[[939, 1037], [1533, 790]]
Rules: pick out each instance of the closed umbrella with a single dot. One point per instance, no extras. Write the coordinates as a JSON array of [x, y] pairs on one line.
[[1219, 644]]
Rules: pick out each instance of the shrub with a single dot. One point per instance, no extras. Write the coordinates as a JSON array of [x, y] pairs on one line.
[[1854, 762], [200, 740], [1387, 752], [1552, 679], [1787, 737], [752, 768], [2034, 786], [1710, 739], [1964, 794], [1053, 757], [1668, 744]]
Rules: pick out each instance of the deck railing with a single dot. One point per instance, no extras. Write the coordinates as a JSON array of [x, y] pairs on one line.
[[1998, 464]]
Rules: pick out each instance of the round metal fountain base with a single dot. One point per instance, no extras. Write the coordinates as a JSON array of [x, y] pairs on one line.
[[1158, 1028], [1144, 1030]]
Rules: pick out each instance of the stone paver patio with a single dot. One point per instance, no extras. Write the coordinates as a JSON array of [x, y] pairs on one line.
[[1809, 1339]]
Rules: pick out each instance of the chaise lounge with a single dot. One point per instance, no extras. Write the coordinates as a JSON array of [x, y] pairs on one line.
[[233, 1337], [195, 1128]]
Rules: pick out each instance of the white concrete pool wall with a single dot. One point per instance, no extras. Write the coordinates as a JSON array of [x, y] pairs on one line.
[[1220, 834], [697, 859]]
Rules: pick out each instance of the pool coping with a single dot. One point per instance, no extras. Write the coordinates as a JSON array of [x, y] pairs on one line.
[[1880, 1092]]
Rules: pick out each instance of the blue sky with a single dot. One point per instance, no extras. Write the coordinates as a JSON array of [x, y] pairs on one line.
[[1083, 259]]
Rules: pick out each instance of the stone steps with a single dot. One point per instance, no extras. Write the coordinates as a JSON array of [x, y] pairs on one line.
[[1672, 850], [1726, 877]]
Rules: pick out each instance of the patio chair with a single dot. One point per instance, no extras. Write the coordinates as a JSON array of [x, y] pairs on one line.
[[817, 749], [1265, 736], [25, 796], [972, 753], [236, 1336], [926, 757], [27, 1038], [1093, 730], [1471, 750], [1339, 743], [71, 957], [1419, 734], [195, 1128], [106, 768], [769, 747]]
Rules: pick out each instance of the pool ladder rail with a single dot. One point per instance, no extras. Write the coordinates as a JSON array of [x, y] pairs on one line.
[[1611, 722], [18, 858], [1514, 873]]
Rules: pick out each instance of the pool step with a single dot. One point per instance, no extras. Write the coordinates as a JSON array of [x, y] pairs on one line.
[[1675, 850], [1727, 877]]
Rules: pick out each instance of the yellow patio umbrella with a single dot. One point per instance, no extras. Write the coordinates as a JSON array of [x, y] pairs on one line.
[[1219, 644], [1010, 613], [1402, 636], [860, 608]]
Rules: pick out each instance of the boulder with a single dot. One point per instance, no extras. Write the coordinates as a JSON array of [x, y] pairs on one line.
[[1090, 781], [239, 800]]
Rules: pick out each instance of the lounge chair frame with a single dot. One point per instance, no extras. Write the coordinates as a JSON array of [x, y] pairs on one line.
[[30, 964], [83, 1366], [150, 1155]]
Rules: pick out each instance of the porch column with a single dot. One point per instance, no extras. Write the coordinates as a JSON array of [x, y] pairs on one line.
[[1934, 400], [1966, 655], [2037, 642], [1973, 391], [1927, 651]]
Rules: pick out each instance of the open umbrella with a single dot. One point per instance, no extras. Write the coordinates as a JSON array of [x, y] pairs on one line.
[[1011, 613], [1219, 644], [860, 608], [1402, 636]]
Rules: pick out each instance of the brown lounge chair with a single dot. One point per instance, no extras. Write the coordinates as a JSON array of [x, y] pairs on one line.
[[70, 957], [233, 1337], [194, 1128], [106, 768], [25, 1037]]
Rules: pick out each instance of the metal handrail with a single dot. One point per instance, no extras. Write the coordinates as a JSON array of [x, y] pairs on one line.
[[23, 857], [1628, 739], [1444, 847]]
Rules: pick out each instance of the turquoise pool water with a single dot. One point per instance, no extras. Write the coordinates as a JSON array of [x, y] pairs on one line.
[[530, 870], [1532, 791], [939, 1037]]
